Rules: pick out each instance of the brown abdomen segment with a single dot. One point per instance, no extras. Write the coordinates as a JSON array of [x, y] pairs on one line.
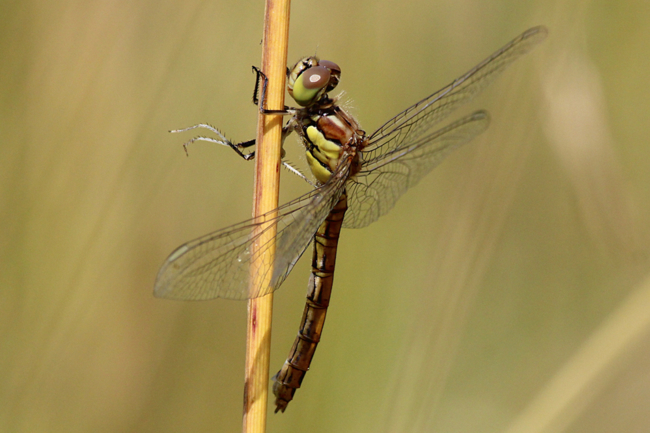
[[289, 378]]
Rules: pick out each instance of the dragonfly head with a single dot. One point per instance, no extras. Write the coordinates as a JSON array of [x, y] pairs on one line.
[[310, 79]]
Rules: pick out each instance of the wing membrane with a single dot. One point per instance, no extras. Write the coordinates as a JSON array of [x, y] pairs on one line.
[[380, 183], [218, 265], [403, 150], [416, 120]]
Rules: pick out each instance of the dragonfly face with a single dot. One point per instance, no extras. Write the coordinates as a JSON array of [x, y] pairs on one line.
[[359, 178], [310, 79]]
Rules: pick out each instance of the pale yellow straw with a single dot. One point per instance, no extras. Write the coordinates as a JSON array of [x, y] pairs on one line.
[[267, 176]]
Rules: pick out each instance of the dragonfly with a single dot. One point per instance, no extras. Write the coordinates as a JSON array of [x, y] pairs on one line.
[[358, 178]]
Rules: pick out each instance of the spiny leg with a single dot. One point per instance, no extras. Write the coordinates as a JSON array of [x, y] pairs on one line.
[[261, 74], [261, 101], [237, 147], [298, 173], [240, 147], [258, 74]]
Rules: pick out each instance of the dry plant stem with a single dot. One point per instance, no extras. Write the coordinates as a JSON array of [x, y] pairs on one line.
[[267, 177]]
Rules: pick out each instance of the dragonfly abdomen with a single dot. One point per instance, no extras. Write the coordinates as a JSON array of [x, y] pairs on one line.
[[319, 290]]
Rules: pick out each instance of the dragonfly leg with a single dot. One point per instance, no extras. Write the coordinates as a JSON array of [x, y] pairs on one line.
[[260, 74], [261, 101], [297, 172], [239, 148]]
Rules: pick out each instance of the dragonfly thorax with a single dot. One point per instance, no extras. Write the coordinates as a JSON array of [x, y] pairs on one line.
[[327, 136]]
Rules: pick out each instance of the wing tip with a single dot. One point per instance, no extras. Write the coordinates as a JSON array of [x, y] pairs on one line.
[[540, 31], [161, 288], [535, 35]]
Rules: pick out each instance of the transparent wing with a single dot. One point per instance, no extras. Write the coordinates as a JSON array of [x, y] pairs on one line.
[[406, 127], [218, 265], [403, 150], [376, 188]]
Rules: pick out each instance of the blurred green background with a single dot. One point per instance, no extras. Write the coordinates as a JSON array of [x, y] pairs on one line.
[[507, 292]]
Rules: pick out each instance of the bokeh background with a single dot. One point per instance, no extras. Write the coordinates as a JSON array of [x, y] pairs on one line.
[[508, 292]]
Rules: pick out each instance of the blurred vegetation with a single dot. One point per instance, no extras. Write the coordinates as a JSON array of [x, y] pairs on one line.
[[508, 291]]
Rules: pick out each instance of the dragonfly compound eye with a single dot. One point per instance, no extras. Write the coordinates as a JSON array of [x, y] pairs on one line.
[[309, 84], [315, 78], [335, 71], [330, 65]]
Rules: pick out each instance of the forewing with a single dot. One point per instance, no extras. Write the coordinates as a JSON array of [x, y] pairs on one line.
[[403, 150], [405, 128], [218, 265], [380, 183]]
